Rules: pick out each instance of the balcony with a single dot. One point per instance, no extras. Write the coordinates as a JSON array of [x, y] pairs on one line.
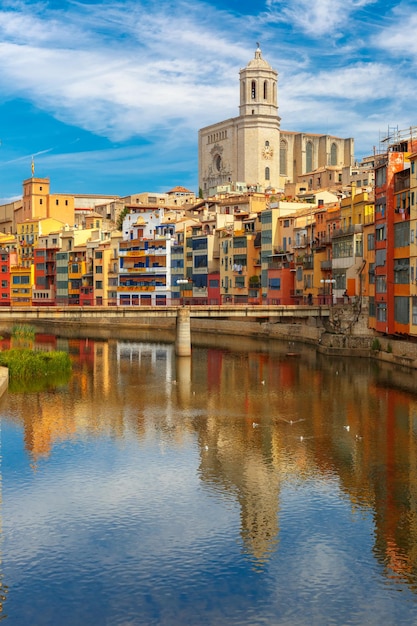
[[352, 229], [326, 266]]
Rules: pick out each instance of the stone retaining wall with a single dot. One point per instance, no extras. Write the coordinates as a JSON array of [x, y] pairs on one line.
[[4, 380]]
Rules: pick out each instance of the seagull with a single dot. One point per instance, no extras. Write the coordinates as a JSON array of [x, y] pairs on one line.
[[262, 382], [255, 425], [347, 427], [206, 448], [291, 422]]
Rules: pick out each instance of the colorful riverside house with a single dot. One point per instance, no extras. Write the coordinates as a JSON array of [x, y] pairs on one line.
[[392, 235], [77, 268], [21, 283], [367, 285], [112, 260], [202, 264], [244, 258], [303, 238], [101, 268], [44, 290], [401, 252], [348, 266], [8, 257], [28, 233], [413, 244], [62, 258], [145, 271]]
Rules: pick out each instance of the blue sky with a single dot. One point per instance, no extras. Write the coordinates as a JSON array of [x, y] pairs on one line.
[[108, 96]]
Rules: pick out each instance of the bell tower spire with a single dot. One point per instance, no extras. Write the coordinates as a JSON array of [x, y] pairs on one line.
[[258, 87]]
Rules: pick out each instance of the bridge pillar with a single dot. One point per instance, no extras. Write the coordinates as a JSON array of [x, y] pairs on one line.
[[183, 339]]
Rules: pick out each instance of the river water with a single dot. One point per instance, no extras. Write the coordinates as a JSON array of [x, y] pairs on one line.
[[251, 484]]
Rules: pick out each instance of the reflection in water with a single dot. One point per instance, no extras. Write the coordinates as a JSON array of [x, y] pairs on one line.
[[266, 425]]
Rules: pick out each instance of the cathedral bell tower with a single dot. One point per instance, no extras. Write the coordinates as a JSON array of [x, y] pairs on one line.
[[258, 88], [258, 125], [243, 153]]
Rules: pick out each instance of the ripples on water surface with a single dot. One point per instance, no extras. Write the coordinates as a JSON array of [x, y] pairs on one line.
[[242, 488]]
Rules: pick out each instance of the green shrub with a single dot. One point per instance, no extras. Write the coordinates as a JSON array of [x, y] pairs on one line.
[[27, 364], [389, 348], [376, 345]]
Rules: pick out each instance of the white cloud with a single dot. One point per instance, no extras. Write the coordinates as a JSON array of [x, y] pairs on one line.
[[318, 18], [398, 36]]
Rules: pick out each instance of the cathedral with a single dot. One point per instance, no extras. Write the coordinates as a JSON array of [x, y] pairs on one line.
[[251, 152]]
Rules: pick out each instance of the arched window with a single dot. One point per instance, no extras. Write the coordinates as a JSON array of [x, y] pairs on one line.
[[265, 90], [283, 157], [309, 156], [333, 154], [253, 90], [267, 174]]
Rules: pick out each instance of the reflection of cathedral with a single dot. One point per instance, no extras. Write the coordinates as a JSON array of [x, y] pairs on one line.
[[250, 151]]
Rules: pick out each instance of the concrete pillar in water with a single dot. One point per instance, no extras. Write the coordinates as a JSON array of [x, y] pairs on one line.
[[183, 340]]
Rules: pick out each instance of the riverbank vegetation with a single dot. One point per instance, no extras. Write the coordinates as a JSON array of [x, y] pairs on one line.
[[31, 370]]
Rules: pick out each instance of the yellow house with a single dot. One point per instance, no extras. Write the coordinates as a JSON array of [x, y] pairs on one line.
[[21, 282], [27, 234]]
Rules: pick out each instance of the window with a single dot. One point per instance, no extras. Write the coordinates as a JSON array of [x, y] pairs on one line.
[[333, 154], [381, 284], [380, 233], [99, 284], [267, 174], [309, 157], [401, 234], [414, 309], [253, 90], [401, 271], [239, 242], [283, 148], [99, 254], [371, 308], [274, 283], [57, 202], [371, 273], [371, 241], [200, 261], [380, 176], [401, 309], [99, 269], [343, 248], [381, 312], [265, 90], [380, 257]]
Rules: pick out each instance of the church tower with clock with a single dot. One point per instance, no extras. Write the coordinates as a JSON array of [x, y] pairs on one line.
[[244, 151], [253, 152]]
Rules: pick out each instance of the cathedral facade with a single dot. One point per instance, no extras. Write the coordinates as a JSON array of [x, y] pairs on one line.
[[251, 152]]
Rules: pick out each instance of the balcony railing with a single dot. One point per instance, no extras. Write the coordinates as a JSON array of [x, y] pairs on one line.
[[325, 265]]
